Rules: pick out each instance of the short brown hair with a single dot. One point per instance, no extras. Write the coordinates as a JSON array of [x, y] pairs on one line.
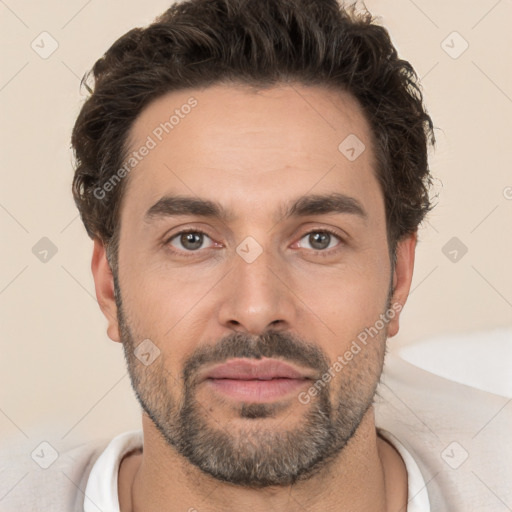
[[198, 43]]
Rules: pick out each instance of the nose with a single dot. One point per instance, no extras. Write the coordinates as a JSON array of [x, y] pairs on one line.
[[257, 296]]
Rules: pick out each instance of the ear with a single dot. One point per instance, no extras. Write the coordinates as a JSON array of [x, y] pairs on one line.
[[402, 278], [104, 283]]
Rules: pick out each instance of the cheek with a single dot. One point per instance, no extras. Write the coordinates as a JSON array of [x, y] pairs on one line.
[[171, 313], [346, 304], [354, 294], [161, 295]]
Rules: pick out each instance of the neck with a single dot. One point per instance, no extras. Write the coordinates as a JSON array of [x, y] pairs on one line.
[[367, 475]]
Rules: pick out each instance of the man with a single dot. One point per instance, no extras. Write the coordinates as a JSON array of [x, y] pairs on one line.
[[253, 174]]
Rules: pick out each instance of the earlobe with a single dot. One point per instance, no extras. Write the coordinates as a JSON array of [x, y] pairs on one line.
[[402, 278], [104, 284]]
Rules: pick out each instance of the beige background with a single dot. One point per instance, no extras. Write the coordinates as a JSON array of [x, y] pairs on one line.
[[61, 376]]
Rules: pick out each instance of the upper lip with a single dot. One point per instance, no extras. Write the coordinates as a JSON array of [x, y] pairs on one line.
[[251, 369]]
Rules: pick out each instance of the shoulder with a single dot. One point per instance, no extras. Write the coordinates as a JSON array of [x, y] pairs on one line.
[[47, 476], [456, 433]]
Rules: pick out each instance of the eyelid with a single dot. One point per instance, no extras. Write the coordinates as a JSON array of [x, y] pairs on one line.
[[186, 230], [340, 237], [316, 252]]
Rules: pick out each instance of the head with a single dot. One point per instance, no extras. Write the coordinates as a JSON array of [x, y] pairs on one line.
[[253, 176]]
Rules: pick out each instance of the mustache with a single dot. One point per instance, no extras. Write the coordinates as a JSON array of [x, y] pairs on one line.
[[275, 344]]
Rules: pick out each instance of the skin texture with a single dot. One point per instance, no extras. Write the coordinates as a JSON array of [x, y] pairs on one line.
[[254, 153]]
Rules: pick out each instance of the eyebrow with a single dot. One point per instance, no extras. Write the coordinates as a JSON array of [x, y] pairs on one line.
[[317, 204]]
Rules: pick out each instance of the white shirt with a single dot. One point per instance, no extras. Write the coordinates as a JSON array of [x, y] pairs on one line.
[[101, 491]]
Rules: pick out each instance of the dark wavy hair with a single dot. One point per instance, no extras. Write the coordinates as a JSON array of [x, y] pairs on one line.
[[198, 43]]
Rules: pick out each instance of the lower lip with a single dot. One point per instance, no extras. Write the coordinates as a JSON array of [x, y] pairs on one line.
[[257, 390]]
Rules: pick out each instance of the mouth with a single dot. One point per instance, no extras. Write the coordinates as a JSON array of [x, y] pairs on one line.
[[260, 381]]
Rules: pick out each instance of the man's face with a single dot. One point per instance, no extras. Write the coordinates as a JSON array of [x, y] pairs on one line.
[[298, 288]]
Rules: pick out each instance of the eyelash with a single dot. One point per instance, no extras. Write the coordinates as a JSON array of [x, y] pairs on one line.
[[317, 252], [326, 252]]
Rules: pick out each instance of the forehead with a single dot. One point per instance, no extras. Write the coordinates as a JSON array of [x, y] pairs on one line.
[[240, 146]]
